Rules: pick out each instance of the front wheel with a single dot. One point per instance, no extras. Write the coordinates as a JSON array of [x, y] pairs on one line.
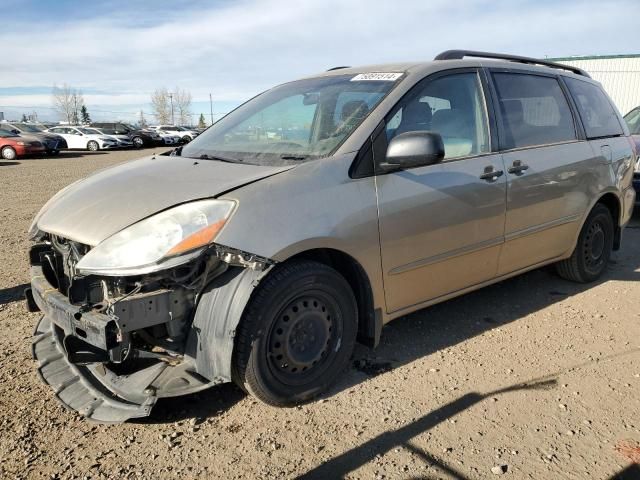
[[137, 142], [186, 139], [93, 146], [593, 250], [9, 153], [296, 334]]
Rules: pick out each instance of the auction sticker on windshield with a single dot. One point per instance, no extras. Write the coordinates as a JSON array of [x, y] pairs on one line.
[[384, 76]]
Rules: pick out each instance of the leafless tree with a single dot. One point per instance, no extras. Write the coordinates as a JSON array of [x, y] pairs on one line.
[[182, 105], [142, 121], [160, 105], [68, 102]]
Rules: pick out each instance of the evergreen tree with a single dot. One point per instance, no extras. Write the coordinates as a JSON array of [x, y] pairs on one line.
[[85, 115], [201, 122]]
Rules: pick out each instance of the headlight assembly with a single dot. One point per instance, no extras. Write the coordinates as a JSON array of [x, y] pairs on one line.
[[164, 240]]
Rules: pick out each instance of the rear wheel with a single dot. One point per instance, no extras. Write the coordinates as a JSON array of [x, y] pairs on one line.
[[296, 335], [93, 146], [593, 250], [8, 153]]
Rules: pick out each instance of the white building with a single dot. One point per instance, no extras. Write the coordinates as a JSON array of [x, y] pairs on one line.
[[619, 75]]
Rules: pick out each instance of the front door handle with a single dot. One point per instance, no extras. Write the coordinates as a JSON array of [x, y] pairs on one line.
[[490, 174], [518, 167]]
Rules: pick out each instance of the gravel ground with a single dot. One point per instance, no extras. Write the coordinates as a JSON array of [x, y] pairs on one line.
[[532, 378]]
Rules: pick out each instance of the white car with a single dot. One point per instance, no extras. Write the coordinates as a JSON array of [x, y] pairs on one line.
[[123, 140], [185, 134], [84, 138], [168, 138]]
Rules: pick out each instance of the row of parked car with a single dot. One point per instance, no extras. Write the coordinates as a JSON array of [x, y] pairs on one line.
[[21, 139]]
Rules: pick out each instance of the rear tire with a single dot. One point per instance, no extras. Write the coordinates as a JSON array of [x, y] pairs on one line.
[[593, 250], [296, 335], [93, 146], [8, 153]]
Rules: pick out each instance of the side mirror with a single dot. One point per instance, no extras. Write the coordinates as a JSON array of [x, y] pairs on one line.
[[413, 149]]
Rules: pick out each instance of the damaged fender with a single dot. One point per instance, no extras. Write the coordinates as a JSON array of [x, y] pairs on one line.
[[211, 338]]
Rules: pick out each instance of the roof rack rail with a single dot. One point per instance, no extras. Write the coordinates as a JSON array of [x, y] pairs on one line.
[[459, 54], [338, 68]]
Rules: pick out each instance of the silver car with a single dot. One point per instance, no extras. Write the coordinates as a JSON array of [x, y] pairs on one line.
[[313, 215]]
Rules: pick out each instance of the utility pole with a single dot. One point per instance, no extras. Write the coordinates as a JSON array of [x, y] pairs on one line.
[[173, 122], [211, 105]]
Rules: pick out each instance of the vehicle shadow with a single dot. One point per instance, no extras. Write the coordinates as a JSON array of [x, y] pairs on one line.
[[4, 163], [65, 154], [205, 404], [632, 472], [12, 294]]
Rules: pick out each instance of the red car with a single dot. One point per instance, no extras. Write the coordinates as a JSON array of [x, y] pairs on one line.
[[13, 145]]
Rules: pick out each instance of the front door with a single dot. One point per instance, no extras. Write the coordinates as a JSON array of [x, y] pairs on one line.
[[442, 225]]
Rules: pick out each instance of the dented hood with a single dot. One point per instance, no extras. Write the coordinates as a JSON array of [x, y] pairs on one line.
[[93, 209]]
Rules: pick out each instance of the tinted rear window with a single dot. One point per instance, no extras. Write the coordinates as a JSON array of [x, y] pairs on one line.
[[598, 115], [534, 110]]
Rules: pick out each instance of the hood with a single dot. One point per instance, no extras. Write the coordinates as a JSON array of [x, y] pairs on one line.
[[93, 209]]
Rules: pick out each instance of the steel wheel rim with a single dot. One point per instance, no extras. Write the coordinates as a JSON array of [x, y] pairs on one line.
[[302, 336], [594, 246]]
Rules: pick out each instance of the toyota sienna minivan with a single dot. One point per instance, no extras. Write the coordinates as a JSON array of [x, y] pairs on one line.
[[314, 214]]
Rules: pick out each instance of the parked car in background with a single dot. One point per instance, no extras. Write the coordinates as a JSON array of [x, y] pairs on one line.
[[139, 137], [84, 138], [13, 145], [262, 259], [168, 138], [185, 134], [53, 143], [123, 140], [633, 122]]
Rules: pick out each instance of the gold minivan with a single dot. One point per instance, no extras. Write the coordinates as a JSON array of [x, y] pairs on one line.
[[312, 215]]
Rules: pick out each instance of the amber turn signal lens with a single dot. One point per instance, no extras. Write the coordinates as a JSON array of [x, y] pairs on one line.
[[199, 239]]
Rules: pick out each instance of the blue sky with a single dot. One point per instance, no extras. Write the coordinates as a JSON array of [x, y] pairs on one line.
[[119, 52]]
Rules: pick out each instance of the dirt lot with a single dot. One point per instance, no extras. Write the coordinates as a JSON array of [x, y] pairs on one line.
[[532, 378]]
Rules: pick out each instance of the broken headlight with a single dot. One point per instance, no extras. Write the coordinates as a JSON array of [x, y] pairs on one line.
[[164, 240]]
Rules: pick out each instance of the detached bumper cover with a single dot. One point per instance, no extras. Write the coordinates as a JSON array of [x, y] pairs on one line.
[[74, 386]]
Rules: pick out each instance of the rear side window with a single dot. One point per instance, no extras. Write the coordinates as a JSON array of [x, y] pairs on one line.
[[534, 110], [598, 115]]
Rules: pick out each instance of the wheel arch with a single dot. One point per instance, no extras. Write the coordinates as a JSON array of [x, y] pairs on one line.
[[613, 204], [369, 320]]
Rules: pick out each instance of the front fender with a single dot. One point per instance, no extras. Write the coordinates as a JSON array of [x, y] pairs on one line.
[[218, 312]]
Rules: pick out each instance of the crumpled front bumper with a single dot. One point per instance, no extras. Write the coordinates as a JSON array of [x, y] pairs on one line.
[[74, 385]]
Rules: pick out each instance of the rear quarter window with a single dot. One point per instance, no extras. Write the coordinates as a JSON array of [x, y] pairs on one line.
[[598, 115]]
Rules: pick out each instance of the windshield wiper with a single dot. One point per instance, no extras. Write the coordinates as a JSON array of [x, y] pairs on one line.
[[294, 157], [204, 156]]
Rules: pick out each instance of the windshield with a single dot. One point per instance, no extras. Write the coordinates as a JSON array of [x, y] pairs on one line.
[[633, 121], [7, 133], [301, 120], [28, 128]]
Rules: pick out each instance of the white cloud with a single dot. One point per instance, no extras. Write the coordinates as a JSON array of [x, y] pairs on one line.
[[244, 47]]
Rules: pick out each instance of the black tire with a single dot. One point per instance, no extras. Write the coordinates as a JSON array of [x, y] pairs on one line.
[[54, 153], [138, 142], [8, 153], [593, 250], [186, 139], [296, 335], [93, 146]]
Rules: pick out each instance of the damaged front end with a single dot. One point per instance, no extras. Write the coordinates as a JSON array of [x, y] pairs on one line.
[[111, 345]]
